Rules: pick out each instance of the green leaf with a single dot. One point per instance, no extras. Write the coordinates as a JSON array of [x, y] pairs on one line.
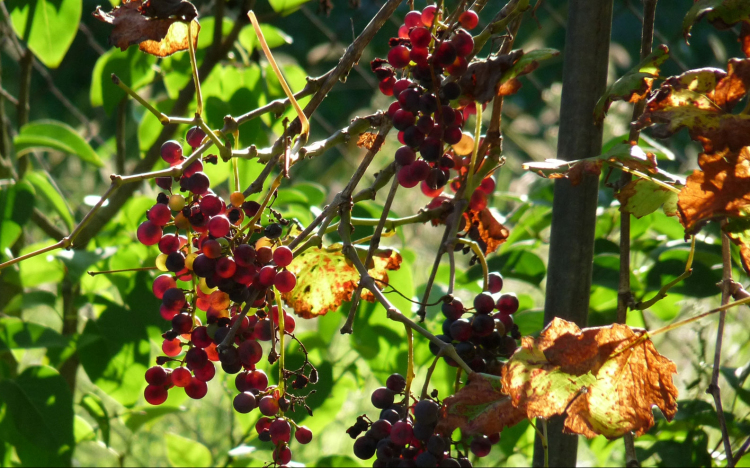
[[182, 451], [51, 134], [315, 193], [286, 7], [206, 36], [94, 406], [17, 334], [634, 85], [274, 36], [337, 461], [42, 269], [43, 185], [16, 205], [82, 430], [145, 414], [40, 406], [31, 299], [48, 27], [724, 13], [518, 262], [133, 67]]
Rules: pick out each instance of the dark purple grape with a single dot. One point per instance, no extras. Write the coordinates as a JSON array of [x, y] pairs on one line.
[[428, 103], [405, 156], [182, 323], [164, 183], [453, 310], [382, 398], [495, 283], [436, 445], [431, 149], [450, 91], [461, 330], [484, 304], [390, 415], [380, 429], [445, 54], [507, 304], [481, 446], [423, 431], [199, 183], [403, 119], [426, 412], [434, 348], [175, 262], [396, 383], [413, 137], [409, 100], [483, 325], [364, 448], [466, 350], [195, 136]]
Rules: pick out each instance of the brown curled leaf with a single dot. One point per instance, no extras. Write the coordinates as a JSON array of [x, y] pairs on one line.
[[325, 279], [479, 407], [738, 231], [720, 189], [605, 379], [485, 229], [482, 78], [159, 29]]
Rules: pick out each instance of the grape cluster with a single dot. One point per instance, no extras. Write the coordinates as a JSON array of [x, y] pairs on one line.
[[223, 270], [421, 71], [406, 436], [483, 335]]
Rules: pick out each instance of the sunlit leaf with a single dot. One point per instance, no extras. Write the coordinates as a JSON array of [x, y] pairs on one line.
[[48, 27], [325, 279], [634, 85], [184, 452], [51, 134], [484, 228], [641, 197], [43, 185], [16, 205], [604, 382], [132, 67], [722, 13]]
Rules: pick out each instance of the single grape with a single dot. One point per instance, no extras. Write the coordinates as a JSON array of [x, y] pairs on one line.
[[452, 135], [244, 255], [285, 281], [483, 303], [219, 226], [182, 323], [436, 180], [282, 455], [196, 358], [195, 166], [175, 262], [169, 243], [204, 266], [303, 435], [264, 255], [176, 202], [195, 136], [283, 256], [268, 406], [478, 201], [487, 185], [469, 19], [495, 283], [196, 389], [273, 231], [419, 55], [445, 54], [159, 214], [257, 379], [463, 42], [250, 352], [420, 37], [400, 86], [483, 325], [382, 398], [171, 347], [173, 298], [426, 412], [423, 431], [466, 350], [403, 119], [428, 103], [181, 377], [396, 383], [205, 373], [364, 448], [436, 445], [413, 19], [244, 402], [398, 56], [409, 100], [401, 433], [211, 205], [461, 330], [164, 183], [155, 394], [453, 310], [403, 32], [281, 431], [250, 208], [225, 267], [428, 15], [157, 375], [171, 152], [386, 86], [431, 149], [390, 415], [149, 233], [508, 304], [481, 446], [413, 137], [380, 429]]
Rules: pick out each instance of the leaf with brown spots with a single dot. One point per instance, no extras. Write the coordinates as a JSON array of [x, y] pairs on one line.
[[528, 62], [159, 29], [738, 231], [701, 101], [722, 14], [634, 85], [641, 197], [720, 189], [605, 379], [485, 229], [325, 278], [480, 407]]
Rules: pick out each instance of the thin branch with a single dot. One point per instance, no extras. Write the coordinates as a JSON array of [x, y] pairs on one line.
[[428, 377], [229, 339], [662, 293], [713, 387]]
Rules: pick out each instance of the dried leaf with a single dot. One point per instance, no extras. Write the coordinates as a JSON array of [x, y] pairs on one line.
[[482, 78], [528, 62], [738, 231], [603, 382], [720, 189], [722, 14], [485, 229], [325, 279], [479, 407], [634, 85], [745, 38], [701, 101], [641, 197], [159, 29], [367, 140]]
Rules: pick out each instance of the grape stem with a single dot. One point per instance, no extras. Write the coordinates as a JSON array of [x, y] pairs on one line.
[[280, 313], [194, 67], [393, 313], [409, 363], [229, 339], [482, 260], [94, 273], [430, 370]]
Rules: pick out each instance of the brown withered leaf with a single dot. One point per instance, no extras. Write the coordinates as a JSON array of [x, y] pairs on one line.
[[480, 407], [325, 278], [159, 29], [367, 140], [605, 379], [720, 189], [701, 101], [738, 231], [482, 78], [745, 38], [485, 229]]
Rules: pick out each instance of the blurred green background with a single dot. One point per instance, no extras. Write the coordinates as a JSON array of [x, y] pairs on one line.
[[105, 421]]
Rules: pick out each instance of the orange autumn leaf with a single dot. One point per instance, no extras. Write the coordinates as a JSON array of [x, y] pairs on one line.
[[603, 382], [325, 279], [720, 189], [484, 229], [367, 140], [159, 29], [479, 407]]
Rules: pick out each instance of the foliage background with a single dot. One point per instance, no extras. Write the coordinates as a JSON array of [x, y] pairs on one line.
[[105, 420]]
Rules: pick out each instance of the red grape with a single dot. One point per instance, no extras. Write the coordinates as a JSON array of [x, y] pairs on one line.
[[481, 446], [405, 156], [495, 283], [413, 19], [161, 284], [155, 394], [420, 37], [244, 402], [445, 54], [149, 233], [160, 214], [403, 119], [257, 379], [483, 303], [463, 42], [303, 435], [507, 304], [171, 152], [244, 255], [428, 15], [195, 166], [386, 86], [171, 347], [196, 389], [195, 136], [487, 186], [200, 337], [469, 19], [398, 56], [157, 375], [268, 406], [283, 256], [267, 275], [281, 431], [225, 267], [181, 377], [400, 86], [205, 373], [218, 226], [285, 281], [211, 205], [250, 352], [169, 243]]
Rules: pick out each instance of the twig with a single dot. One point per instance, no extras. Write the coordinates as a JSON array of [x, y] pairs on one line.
[[229, 339], [126, 270], [409, 363], [662, 293], [713, 387], [427, 378]]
